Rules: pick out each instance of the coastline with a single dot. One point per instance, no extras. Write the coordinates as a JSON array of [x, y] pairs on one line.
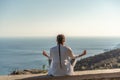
[[106, 60], [98, 72], [20, 56]]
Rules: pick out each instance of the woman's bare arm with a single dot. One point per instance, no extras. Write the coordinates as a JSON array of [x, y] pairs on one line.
[[84, 53], [45, 54]]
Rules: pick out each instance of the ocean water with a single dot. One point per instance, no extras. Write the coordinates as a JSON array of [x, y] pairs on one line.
[[26, 53]]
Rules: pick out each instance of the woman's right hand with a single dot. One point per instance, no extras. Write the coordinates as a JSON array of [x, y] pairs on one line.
[[84, 52]]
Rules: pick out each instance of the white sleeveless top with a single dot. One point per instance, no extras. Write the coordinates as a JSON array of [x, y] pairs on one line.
[[66, 55]]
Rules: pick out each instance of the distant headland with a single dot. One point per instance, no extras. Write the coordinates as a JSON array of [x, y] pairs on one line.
[[106, 60]]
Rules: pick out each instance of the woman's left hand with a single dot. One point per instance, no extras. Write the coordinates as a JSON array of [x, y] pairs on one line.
[[44, 53]]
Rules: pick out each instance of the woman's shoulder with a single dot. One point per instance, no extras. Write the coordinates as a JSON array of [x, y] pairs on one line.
[[67, 47], [54, 47]]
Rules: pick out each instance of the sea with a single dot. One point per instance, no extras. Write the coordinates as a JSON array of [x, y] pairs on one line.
[[26, 53]]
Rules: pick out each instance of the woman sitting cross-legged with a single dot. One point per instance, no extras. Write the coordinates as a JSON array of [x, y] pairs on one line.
[[61, 56]]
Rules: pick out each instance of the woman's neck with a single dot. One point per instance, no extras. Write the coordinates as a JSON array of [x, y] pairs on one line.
[[61, 43]]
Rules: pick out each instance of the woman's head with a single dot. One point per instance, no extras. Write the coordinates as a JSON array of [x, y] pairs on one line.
[[60, 39]]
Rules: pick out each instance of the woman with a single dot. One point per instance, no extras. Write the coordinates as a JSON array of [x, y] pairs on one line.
[[61, 57]]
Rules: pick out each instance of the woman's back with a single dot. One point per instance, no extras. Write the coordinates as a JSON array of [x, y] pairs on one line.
[[63, 68], [55, 53]]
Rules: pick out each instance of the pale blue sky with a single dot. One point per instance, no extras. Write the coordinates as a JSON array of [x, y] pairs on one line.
[[27, 18]]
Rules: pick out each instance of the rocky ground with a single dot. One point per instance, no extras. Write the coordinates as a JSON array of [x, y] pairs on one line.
[[28, 71], [106, 60]]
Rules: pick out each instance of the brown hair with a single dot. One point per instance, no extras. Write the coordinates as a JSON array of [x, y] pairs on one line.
[[60, 38]]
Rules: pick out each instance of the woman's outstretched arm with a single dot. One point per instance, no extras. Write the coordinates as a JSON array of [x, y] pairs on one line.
[[45, 54], [84, 53]]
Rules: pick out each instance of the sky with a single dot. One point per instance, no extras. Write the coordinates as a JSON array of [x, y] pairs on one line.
[[45, 18]]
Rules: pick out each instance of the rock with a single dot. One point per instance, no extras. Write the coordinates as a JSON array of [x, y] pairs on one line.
[[28, 71], [106, 60]]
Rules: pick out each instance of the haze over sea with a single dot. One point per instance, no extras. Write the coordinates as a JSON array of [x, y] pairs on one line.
[[26, 53]]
